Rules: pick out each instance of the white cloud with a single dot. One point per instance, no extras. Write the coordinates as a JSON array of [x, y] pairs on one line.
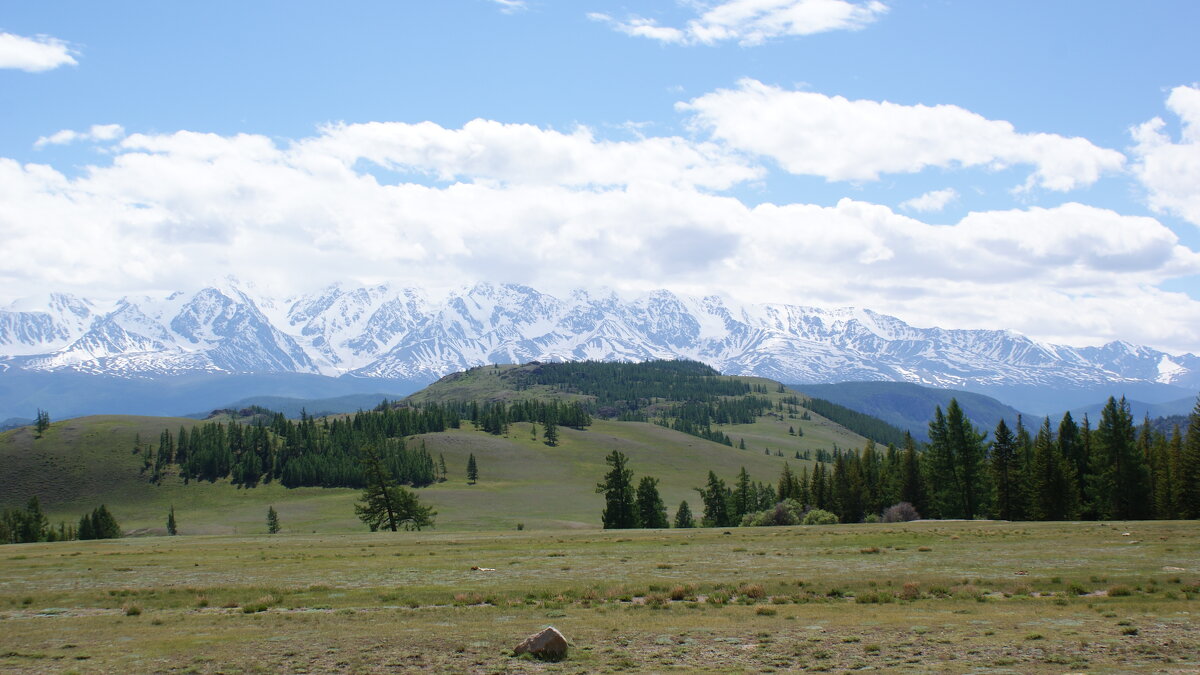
[[932, 201], [511, 6], [1170, 171], [839, 139], [34, 54], [558, 211], [98, 132], [753, 22]]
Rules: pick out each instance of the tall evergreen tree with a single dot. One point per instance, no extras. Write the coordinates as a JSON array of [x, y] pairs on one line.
[[620, 507], [911, 488], [472, 470], [384, 504], [1008, 498], [1052, 479], [652, 513], [716, 498], [1188, 502], [272, 520], [744, 498], [172, 528], [1120, 488], [683, 515], [104, 525], [1070, 446], [42, 423]]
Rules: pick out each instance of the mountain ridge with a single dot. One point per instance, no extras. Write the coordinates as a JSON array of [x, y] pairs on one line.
[[406, 334]]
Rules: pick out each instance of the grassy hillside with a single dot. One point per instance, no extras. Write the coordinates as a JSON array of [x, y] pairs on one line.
[[83, 462]]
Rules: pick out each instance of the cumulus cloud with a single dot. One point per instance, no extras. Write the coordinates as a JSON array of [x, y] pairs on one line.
[[34, 54], [564, 210], [842, 140], [98, 132], [1169, 170], [932, 201], [753, 22]]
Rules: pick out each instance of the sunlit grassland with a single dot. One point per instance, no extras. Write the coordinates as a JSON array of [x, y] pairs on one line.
[[918, 597]]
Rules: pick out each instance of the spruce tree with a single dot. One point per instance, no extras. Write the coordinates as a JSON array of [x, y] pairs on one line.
[[550, 432], [42, 423], [1006, 474], [912, 489], [620, 509], [441, 468], [1188, 503], [1120, 488], [104, 525], [172, 529], [683, 516], [272, 520], [652, 513], [716, 502], [744, 498], [1052, 479], [472, 470]]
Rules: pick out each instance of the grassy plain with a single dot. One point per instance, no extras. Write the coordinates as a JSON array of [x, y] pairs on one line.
[[917, 597]]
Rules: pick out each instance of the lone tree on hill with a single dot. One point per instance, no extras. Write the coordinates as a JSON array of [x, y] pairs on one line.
[[42, 422], [620, 509], [472, 470], [272, 520], [172, 529], [385, 504]]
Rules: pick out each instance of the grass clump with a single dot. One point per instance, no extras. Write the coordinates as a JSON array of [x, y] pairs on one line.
[[1119, 590]]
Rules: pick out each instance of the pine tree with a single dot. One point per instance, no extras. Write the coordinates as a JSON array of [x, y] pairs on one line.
[[1188, 503], [1120, 488], [272, 520], [620, 508], [550, 432], [683, 516], [652, 513], [472, 470], [172, 529], [1052, 479], [384, 503], [441, 468], [1007, 472], [716, 502], [912, 489], [42, 423], [744, 498], [104, 525]]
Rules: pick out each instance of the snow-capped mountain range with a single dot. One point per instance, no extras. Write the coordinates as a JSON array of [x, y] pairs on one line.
[[404, 333]]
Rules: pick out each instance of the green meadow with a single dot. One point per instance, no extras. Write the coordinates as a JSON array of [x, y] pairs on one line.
[[918, 597]]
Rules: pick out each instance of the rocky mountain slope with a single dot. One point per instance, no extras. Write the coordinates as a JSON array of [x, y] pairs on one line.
[[404, 333]]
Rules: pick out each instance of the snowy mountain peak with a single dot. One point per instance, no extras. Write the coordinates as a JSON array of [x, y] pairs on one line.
[[402, 332]]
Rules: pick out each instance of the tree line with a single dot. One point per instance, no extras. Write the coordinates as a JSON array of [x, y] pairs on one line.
[[1114, 471]]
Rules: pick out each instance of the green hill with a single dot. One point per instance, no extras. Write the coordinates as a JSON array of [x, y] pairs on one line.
[[83, 462]]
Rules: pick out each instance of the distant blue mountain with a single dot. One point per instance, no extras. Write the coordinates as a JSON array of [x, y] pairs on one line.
[[72, 394], [911, 406], [316, 407]]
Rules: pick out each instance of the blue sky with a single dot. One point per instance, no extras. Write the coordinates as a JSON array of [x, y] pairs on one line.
[[1022, 165]]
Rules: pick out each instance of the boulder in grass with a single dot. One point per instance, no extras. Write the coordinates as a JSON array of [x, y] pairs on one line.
[[547, 645]]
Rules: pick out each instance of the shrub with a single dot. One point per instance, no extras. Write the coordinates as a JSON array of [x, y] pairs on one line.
[[900, 513], [872, 518], [132, 610], [911, 591], [1119, 590], [755, 591], [820, 517], [786, 512]]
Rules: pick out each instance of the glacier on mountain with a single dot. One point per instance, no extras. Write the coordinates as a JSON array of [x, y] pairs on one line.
[[399, 332]]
